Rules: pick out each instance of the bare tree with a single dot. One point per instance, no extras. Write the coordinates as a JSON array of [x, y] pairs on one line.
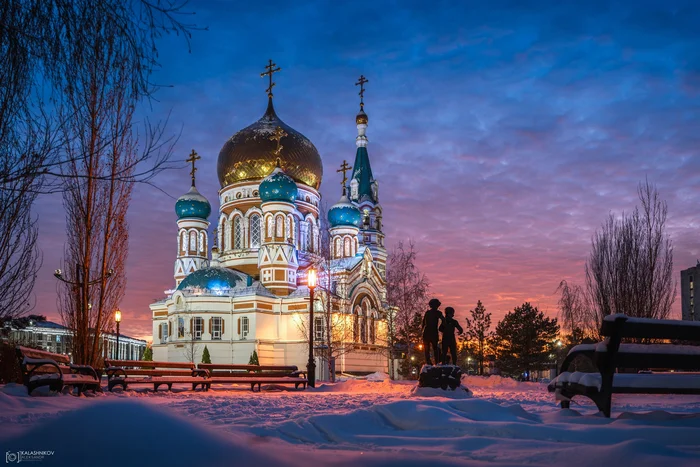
[[191, 348], [102, 148], [630, 267], [407, 291], [575, 312], [42, 45], [25, 141]]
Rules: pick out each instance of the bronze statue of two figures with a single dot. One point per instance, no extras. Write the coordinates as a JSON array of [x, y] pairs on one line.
[[443, 375]]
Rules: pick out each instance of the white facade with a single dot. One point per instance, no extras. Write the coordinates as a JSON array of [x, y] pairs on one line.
[[251, 294]]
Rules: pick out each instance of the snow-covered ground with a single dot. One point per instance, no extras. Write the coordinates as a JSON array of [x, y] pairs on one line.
[[355, 422]]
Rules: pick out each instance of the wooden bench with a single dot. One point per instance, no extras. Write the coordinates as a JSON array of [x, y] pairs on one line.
[[607, 358], [125, 372], [255, 375], [41, 368]]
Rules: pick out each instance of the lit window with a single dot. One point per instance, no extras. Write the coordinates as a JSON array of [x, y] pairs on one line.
[[180, 327], [338, 248], [216, 328], [318, 328], [237, 233], [279, 226], [193, 241], [163, 333], [255, 231], [245, 326], [198, 327], [356, 326]]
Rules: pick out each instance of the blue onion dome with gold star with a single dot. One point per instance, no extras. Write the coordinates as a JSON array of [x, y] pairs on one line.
[[344, 213], [278, 186], [192, 205]]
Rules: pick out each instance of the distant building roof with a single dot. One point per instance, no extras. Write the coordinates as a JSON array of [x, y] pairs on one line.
[[51, 325]]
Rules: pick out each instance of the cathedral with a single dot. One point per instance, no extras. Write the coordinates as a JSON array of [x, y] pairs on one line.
[[245, 290]]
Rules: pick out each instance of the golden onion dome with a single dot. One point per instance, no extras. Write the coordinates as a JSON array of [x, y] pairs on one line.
[[252, 153], [361, 118]]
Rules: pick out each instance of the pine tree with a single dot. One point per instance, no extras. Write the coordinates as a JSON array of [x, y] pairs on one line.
[[148, 354], [254, 359], [206, 358], [525, 341], [476, 334]]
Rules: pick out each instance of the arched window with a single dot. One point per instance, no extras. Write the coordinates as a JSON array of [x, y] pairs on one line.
[[201, 241], [338, 250], [227, 236], [193, 241], [270, 227], [347, 246], [312, 236], [295, 233], [356, 325], [372, 331], [237, 233], [279, 227], [183, 241], [304, 226], [288, 232], [255, 231], [363, 329], [365, 319]]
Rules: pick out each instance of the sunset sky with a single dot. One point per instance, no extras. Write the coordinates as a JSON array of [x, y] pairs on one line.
[[501, 135]]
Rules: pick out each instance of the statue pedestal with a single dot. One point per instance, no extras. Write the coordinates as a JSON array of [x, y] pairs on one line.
[[440, 376]]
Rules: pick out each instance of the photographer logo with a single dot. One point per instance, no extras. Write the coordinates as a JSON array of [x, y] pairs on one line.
[[15, 457]]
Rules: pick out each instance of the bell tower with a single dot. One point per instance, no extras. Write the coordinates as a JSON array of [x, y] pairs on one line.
[[364, 190], [192, 211], [277, 257]]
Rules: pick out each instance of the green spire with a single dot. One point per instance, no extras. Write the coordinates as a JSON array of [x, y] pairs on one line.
[[362, 173]]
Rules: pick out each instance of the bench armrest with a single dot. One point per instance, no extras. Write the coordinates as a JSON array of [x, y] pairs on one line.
[[587, 350], [200, 372], [30, 365], [39, 362], [84, 370], [115, 371]]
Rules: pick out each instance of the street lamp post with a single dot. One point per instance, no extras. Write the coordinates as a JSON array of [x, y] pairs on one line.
[[118, 319], [311, 366]]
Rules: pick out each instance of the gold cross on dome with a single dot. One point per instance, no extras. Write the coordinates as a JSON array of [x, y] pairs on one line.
[[194, 157], [344, 168], [270, 67], [277, 136], [361, 82]]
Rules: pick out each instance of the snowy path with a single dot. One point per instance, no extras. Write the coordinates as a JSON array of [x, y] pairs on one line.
[[375, 423]]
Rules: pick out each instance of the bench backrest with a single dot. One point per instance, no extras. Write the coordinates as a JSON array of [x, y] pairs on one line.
[[146, 365], [224, 366], [35, 353], [624, 326]]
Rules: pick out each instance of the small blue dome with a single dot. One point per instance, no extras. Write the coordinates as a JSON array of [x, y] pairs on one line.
[[215, 278], [344, 213], [192, 204], [278, 186]]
